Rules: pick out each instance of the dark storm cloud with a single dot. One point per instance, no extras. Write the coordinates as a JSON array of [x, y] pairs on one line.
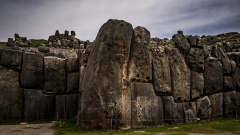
[[40, 18]]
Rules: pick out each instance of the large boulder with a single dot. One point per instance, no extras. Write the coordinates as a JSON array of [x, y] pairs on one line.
[[147, 108], [54, 75], [213, 77], [72, 64], [32, 71], [67, 106], [173, 112], [11, 95], [12, 59], [190, 112], [217, 105], [180, 75], [204, 108], [197, 85], [140, 66], [104, 87], [72, 82], [228, 83], [181, 43], [229, 104], [38, 106], [161, 75], [195, 59]]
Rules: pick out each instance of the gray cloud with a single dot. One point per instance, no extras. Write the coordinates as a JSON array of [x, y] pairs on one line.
[[40, 18]]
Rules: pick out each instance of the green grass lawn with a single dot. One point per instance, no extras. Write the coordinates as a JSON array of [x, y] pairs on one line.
[[210, 127], [37, 42]]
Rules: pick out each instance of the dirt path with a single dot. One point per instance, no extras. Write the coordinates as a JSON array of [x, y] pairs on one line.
[[28, 129]]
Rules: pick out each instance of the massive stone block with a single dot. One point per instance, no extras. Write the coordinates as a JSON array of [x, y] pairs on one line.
[[197, 85], [147, 108], [228, 83], [38, 106], [72, 64], [12, 59], [67, 106], [229, 104], [190, 112], [54, 75], [180, 75], [32, 71], [213, 77], [140, 65], [161, 75], [104, 87], [195, 59], [181, 43], [72, 82], [236, 78], [204, 109], [11, 95], [217, 105], [173, 112]]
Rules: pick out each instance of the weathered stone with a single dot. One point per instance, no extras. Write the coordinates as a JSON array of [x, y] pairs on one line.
[[140, 66], [54, 75], [67, 106], [173, 112], [217, 105], [235, 56], [192, 41], [147, 108], [207, 51], [190, 114], [12, 59], [229, 104], [72, 64], [38, 106], [43, 49], [233, 66], [238, 102], [11, 95], [66, 33], [228, 83], [10, 42], [180, 75], [32, 71], [181, 43], [195, 59], [73, 33], [72, 82], [213, 77], [104, 94], [57, 33], [75, 46], [161, 75], [204, 108], [197, 85], [236, 78]]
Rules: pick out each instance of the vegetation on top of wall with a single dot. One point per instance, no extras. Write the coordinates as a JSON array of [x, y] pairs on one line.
[[37, 42]]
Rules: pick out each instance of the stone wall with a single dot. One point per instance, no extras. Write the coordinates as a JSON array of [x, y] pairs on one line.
[[124, 79]]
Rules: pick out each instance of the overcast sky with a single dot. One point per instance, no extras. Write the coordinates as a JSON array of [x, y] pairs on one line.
[[39, 19]]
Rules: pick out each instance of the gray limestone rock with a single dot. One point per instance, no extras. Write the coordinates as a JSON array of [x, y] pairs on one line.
[[32, 71], [57, 33], [38, 106], [190, 112], [229, 104], [192, 41], [12, 59], [181, 43], [207, 51], [195, 59], [72, 64], [180, 75], [104, 86], [213, 77], [147, 108], [43, 49], [217, 105], [54, 75], [161, 75], [228, 83], [204, 108], [73, 33], [11, 95], [67, 106], [173, 112], [10, 42], [197, 85], [140, 66], [72, 82]]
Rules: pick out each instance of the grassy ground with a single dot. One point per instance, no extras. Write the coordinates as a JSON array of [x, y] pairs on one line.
[[210, 127], [37, 42]]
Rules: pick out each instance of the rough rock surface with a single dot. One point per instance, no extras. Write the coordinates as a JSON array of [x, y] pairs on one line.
[[140, 66], [190, 114], [181, 43], [229, 104], [180, 75], [217, 105], [195, 59], [12, 59], [147, 108], [161, 75], [32, 71], [11, 95], [38, 106], [104, 82], [72, 82], [228, 83], [204, 108], [197, 85], [213, 77]]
